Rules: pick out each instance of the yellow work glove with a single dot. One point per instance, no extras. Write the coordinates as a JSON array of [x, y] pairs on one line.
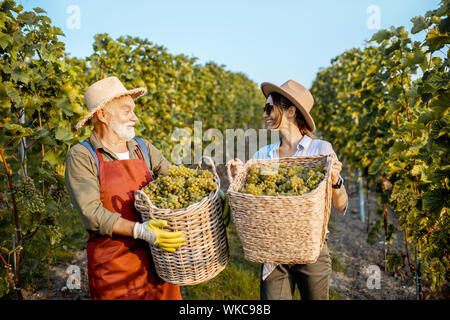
[[150, 231]]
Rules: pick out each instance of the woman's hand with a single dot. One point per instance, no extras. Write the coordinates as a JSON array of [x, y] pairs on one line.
[[339, 196], [235, 166], [336, 168]]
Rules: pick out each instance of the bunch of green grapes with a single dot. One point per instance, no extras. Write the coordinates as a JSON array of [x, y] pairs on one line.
[[284, 181], [29, 198], [180, 188]]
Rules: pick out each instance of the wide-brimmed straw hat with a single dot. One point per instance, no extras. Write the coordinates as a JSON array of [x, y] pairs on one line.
[[104, 91], [297, 94]]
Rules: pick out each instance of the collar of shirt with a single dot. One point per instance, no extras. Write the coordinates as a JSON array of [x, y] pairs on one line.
[[97, 144], [303, 145]]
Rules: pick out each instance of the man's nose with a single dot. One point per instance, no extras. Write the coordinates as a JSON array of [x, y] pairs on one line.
[[134, 118]]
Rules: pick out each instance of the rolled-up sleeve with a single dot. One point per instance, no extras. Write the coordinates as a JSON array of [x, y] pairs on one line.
[[83, 185]]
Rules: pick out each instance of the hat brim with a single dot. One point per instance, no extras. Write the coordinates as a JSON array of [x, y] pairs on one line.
[[134, 93], [267, 88]]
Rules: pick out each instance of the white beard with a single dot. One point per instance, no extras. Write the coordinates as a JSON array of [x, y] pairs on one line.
[[122, 130]]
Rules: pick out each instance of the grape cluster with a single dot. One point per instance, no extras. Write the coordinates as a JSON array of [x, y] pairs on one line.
[[30, 200], [180, 188], [284, 181]]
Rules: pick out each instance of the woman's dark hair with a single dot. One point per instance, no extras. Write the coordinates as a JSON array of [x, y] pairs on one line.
[[281, 102]]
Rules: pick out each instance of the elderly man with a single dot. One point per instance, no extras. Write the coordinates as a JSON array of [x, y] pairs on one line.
[[102, 174]]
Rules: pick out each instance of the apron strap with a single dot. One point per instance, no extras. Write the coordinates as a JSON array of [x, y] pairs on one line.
[[91, 150], [144, 151]]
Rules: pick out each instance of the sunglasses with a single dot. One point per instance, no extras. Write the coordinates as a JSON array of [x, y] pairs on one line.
[[268, 108]]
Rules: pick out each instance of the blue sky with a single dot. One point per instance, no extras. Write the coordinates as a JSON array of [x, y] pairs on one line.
[[267, 40]]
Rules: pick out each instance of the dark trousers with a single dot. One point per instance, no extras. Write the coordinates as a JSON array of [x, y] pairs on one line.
[[312, 280]]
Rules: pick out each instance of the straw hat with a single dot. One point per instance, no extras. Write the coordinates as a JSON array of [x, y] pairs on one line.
[[297, 94], [104, 91]]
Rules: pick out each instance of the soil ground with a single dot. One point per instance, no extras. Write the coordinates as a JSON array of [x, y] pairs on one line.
[[359, 262]]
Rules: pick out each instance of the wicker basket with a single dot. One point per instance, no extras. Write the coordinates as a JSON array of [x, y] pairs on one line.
[[205, 252], [281, 229]]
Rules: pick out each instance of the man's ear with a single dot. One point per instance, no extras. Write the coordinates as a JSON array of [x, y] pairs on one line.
[[103, 115]]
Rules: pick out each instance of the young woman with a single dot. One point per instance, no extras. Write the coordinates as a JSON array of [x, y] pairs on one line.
[[287, 110]]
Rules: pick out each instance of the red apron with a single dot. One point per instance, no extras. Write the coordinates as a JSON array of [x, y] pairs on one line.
[[122, 267]]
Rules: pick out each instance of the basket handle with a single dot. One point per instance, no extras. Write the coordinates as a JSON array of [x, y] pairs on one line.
[[209, 162], [141, 195]]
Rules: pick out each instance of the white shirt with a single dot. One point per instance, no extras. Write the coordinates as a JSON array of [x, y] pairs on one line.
[[123, 155], [306, 147]]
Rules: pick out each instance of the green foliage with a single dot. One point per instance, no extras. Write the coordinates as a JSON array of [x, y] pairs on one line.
[[395, 261], [35, 79], [385, 108]]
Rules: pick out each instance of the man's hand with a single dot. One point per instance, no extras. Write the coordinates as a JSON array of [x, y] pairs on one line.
[[150, 231]]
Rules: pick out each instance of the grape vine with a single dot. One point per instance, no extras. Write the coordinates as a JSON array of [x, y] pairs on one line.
[[385, 107]]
